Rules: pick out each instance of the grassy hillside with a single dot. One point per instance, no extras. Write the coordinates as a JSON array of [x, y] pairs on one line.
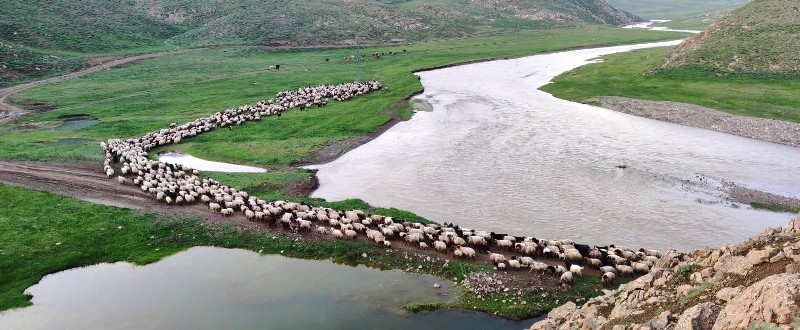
[[673, 9], [100, 25], [633, 75], [758, 39]]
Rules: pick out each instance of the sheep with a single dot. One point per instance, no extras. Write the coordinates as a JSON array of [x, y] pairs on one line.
[[440, 246], [250, 215], [608, 269], [121, 179], [337, 233], [651, 253], [423, 245], [607, 278], [577, 270], [566, 278], [322, 230], [506, 244], [467, 252], [304, 224], [496, 258], [625, 270], [538, 266], [226, 212], [214, 207], [351, 234], [513, 263], [501, 266], [596, 263], [526, 261], [640, 267]]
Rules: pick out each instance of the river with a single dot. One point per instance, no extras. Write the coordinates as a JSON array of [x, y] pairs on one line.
[[497, 154]]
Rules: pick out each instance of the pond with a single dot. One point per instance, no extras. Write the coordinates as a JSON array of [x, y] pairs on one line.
[[214, 288], [206, 165]]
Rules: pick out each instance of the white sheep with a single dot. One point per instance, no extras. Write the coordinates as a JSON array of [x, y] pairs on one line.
[[607, 278], [566, 277]]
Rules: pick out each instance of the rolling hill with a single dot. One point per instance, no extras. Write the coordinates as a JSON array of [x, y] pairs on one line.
[[107, 25], [758, 38], [673, 9]]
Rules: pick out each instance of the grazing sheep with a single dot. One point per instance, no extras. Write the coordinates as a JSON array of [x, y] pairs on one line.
[[440, 246], [121, 179], [607, 278], [351, 234], [423, 245], [337, 234], [651, 253], [577, 270], [566, 278], [226, 212], [496, 258], [640, 267], [538, 266], [608, 269], [516, 264], [501, 266], [467, 252], [322, 230], [625, 270]]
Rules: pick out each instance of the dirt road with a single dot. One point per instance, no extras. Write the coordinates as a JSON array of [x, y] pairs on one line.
[[9, 112]]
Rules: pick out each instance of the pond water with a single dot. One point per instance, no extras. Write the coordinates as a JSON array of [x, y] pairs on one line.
[[214, 288], [206, 165], [500, 155], [74, 125]]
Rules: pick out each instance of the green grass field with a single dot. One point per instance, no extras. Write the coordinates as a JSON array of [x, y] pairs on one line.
[[635, 75]]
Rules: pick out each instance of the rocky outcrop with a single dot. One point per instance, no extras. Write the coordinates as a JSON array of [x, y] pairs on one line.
[[756, 282]]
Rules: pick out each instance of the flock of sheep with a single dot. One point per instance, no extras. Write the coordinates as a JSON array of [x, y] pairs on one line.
[[177, 184]]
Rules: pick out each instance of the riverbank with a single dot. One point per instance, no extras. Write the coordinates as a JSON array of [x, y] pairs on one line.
[[770, 130], [754, 284]]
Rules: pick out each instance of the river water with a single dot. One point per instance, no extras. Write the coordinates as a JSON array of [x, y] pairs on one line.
[[495, 153], [214, 288]]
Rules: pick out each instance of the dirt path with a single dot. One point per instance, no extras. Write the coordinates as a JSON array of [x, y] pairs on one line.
[[9, 112]]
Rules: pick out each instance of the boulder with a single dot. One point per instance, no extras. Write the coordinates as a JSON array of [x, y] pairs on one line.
[[774, 299], [698, 317], [730, 264], [757, 257], [726, 294]]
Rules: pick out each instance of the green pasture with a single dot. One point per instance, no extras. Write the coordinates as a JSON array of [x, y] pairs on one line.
[[636, 75]]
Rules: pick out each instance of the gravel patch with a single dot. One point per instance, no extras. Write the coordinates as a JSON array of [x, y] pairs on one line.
[[769, 130]]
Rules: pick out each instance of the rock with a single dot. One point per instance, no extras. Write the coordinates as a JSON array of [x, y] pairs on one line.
[[436, 286], [563, 312], [659, 282], [793, 226], [777, 258], [736, 265], [793, 269], [774, 299], [659, 322], [757, 257], [546, 324], [726, 294], [684, 289], [699, 317], [696, 278]]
